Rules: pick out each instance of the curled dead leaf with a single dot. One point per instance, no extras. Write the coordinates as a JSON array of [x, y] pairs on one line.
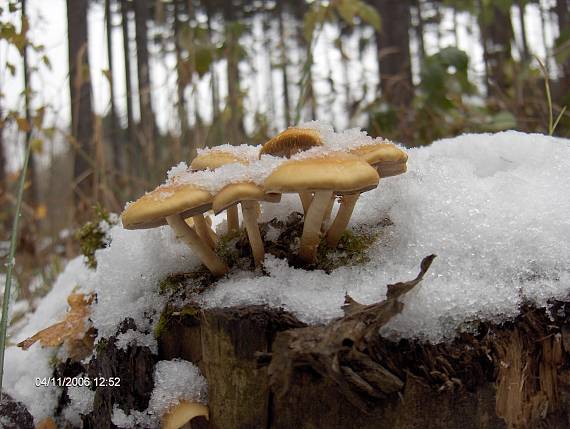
[[73, 327]]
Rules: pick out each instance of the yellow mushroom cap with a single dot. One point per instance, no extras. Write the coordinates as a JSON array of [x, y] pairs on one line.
[[214, 159], [182, 413], [151, 209], [340, 172], [243, 191], [291, 141], [389, 159]]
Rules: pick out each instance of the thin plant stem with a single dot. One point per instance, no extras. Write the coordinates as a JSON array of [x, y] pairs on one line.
[[10, 264], [548, 96]]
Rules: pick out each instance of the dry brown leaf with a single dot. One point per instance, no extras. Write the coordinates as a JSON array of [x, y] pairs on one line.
[[73, 327]]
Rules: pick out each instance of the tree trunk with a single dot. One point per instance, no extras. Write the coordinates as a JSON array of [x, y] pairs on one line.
[[232, 36], [497, 34], [283, 64], [267, 45], [394, 52], [563, 16], [133, 154], [197, 139], [82, 126], [180, 81], [521, 5], [147, 124], [32, 196], [3, 183], [114, 135], [213, 76], [419, 30]]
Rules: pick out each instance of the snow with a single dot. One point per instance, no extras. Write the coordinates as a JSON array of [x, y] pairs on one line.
[[493, 207], [80, 403], [174, 381]]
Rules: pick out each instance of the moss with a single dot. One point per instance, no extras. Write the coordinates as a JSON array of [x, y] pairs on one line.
[[230, 247], [92, 237], [352, 250], [169, 313]]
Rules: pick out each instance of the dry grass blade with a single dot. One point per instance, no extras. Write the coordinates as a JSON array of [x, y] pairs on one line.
[[11, 256]]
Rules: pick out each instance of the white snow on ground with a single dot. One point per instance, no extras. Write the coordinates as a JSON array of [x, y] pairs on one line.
[[494, 208]]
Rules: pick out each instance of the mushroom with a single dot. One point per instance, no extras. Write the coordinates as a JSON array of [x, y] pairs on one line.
[[388, 161], [290, 142], [171, 204], [212, 159], [208, 230], [247, 194], [387, 158], [336, 172], [180, 414]]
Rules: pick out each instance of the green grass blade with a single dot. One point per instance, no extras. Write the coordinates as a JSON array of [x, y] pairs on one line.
[[10, 264], [558, 119]]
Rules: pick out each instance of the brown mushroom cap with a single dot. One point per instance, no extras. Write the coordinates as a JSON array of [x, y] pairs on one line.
[[340, 172], [214, 159], [151, 209], [243, 191], [291, 141], [386, 157]]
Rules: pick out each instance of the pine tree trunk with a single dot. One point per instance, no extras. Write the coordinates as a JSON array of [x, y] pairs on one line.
[[283, 64], [133, 154], [419, 30], [522, 22], [394, 51], [213, 75], [82, 125], [563, 16], [180, 81], [114, 134], [3, 183], [236, 127], [497, 34], [147, 124], [267, 45]]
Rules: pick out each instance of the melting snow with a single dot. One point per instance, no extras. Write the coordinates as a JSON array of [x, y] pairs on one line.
[[494, 208]]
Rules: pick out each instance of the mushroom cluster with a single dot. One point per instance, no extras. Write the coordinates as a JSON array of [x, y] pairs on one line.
[[310, 160]]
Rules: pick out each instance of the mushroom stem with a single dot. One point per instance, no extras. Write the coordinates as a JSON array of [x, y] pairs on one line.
[[233, 219], [327, 214], [312, 226], [341, 220], [306, 198], [203, 230], [190, 237], [249, 211]]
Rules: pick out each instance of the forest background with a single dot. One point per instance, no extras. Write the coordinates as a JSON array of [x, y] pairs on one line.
[[107, 95]]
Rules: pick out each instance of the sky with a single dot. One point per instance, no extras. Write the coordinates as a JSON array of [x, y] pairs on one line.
[[49, 27]]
